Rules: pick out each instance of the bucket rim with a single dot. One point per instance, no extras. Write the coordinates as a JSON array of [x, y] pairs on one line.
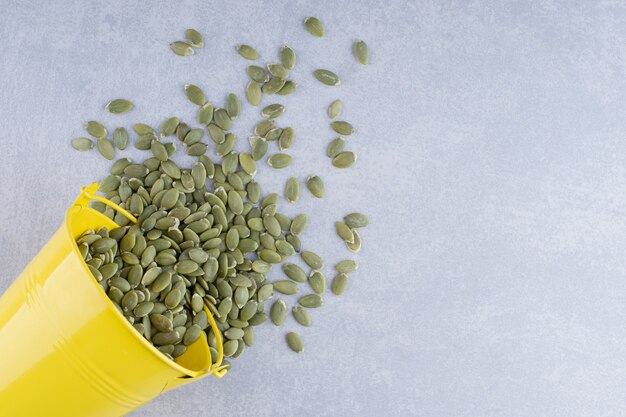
[[111, 224]]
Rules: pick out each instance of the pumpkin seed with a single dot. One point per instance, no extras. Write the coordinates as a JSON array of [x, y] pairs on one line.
[[299, 224], [287, 88], [143, 129], [361, 52], [195, 94], [82, 144], [302, 316], [253, 93], [347, 266], [279, 160], [327, 77], [168, 127], [272, 111], [335, 147], [194, 38], [120, 138], [119, 106], [317, 281], [286, 139], [278, 312], [292, 190], [311, 300], [335, 108], [247, 163], [315, 186], [221, 118], [356, 246], [342, 127], [181, 48], [95, 129], [287, 57], [340, 284], [247, 52], [312, 259], [106, 149], [278, 70], [295, 343], [314, 26], [273, 86], [258, 74], [286, 287], [232, 106], [294, 272], [344, 159], [344, 232], [205, 114], [118, 166], [356, 220]]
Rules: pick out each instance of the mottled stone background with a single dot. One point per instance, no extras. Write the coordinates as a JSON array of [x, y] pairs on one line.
[[491, 163]]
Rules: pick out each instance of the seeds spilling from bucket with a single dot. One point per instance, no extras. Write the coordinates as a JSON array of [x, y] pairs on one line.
[[206, 236]]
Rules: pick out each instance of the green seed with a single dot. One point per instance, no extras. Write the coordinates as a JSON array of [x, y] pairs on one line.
[[119, 106], [312, 259], [82, 144], [278, 70], [143, 129], [230, 347], [234, 333], [216, 133], [95, 129], [342, 127], [315, 186], [292, 190], [287, 57], [232, 106], [193, 136], [270, 256], [159, 151], [286, 287], [344, 159], [120, 138], [194, 38], [356, 220], [106, 149], [110, 183], [221, 118], [241, 296], [314, 26], [192, 334], [181, 48], [278, 312], [340, 284], [168, 338], [346, 266], [317, 281], [143, 309], [205, 114], [302, 316], [295, 343], [253, 93], [335, 147], [299, 224], [259, 149], [168, 127], [235, 203], [311, 300], [279, 160], [356, 246], [258, 74], [197, 149], [286, 139], [272, 111], [195, 94], [169, 199], [247, 52], [247, 163], [334, 110], [327, 77], [287, 88], [344, 232], [273, 86], [174, 298], [294, 272], [361, 52], [136, 170]]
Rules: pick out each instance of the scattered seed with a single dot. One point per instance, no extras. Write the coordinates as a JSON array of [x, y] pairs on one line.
[[340, 284], [106, 149], [356, 246], [311, 300], [361, 52], [287, 57], [279, 160], [344, 232], [194, 38], [344, 159], [258, 74], [335, 108], [292, 190], [347, 266], [286, 139], [315, 186], [278, 312], [327, 77], [342, 127], [302, 316], [286, 287], [120, 138], [273, 86], [312, 259], [317, 281], [272, 111], [253, 93], [195, 94], [356, 220], [247, 52], [82, 144], [335, 147], [287, 88], [119, 106], [314, 26], [232, 106], [295, 343], [181, 48], [278, 70], [95, 129], [168, 127], [299, 224]]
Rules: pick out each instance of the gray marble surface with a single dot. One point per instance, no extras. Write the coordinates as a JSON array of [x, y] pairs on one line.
[[491, 163]]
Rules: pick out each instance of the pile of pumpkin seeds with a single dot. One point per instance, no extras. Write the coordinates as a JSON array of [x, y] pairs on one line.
[[205, 235]]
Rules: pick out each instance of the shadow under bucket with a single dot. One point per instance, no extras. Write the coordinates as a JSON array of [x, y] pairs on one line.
[[65, 350]]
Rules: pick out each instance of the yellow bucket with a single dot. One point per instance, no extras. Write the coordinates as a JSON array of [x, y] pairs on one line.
[[65, 350]]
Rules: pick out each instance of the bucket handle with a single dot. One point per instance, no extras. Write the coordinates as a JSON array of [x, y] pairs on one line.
[[87, 194]]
